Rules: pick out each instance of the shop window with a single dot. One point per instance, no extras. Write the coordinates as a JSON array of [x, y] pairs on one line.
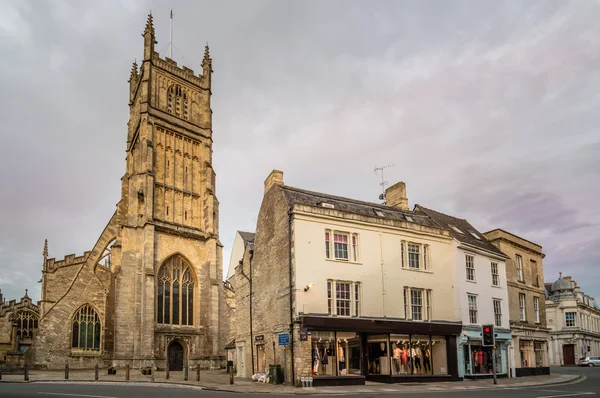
[[539, 354], [439, 357], [527, 354], [400, 345], [378, 354], [421, 354], [323, 353], [479, 360], [347, 352]]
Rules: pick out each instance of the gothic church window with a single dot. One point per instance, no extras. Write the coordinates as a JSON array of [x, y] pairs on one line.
[[27, 323], [86, 330], [177, 101], [175, 298]]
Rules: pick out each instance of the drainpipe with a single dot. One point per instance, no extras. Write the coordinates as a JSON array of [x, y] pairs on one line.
[[290, 217], [250, 301], [382, 274]]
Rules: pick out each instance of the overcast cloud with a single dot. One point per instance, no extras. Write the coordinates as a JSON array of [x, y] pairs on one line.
[[490, 111]]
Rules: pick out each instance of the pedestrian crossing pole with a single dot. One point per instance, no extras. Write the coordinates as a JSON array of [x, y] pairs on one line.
[[494, 364]]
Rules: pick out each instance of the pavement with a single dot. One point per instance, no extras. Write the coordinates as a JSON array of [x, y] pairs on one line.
[[218, 380]]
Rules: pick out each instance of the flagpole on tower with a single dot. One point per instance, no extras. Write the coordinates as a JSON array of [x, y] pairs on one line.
[[171, 37]]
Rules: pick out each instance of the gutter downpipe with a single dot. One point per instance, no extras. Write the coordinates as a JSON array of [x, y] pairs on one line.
[[250, 301], [290, 217]]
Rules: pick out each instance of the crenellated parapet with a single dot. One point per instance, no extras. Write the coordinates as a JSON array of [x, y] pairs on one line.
[[68, 260], [184, 72]]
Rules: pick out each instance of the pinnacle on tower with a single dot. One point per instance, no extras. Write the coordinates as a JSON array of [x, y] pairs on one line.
[[207, 61], [134, 71], [45, 252], [149, 25]]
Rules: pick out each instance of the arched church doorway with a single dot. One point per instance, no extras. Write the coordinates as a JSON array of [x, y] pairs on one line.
[[175, 355]]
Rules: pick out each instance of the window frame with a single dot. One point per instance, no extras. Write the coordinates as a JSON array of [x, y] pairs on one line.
[[573, 321], [425, 306], [536, 309], [471, 268], [519, 266], [87, 315], [354, 298], [522, 307], [473, 312], [497, 307], [352, 246], [495, 273], [412, 254], [180, 276]]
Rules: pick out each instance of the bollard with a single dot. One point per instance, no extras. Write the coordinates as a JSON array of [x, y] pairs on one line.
[[96, 372], [198, 372], [231, 375], [152, 373], [66, 371], [167, 373], [126, 372], [26, 373], [0, 372], [185, 373]]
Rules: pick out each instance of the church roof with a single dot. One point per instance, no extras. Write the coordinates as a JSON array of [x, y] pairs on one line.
[[248, 237]]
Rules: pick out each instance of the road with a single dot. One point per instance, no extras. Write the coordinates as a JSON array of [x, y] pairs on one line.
[[589, 387]]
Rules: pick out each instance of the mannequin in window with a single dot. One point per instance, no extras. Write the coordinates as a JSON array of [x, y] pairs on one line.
[[404, 360], [397, 358], [417, 357], [316, 361], [325, 360], [427, 360], [341, 360]]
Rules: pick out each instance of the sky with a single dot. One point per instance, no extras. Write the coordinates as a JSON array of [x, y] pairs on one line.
[[488, 111]]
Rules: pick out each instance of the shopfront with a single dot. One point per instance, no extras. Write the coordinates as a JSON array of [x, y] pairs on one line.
[[476, 361], [350, 351]]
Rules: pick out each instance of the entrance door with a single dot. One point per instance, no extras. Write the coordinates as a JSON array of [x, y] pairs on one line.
[[261, 358], [241, 367], [569, 354], [175, 356]]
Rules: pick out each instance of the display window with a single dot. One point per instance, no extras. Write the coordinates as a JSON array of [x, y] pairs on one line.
[[323, 353], [481, 359], [439, 355], [527, 354], [421, 354], [378, 354], [348, 353], [401, 363]]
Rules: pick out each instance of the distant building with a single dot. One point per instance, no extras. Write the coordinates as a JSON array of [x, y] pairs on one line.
[[526, 299], [574, 321], [480, 296], [242, 239], [19, 322]]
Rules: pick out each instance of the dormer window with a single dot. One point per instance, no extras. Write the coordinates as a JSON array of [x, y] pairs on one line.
[[379, 213], [328, 205], [408, 218], [457, 230], [475, 235]]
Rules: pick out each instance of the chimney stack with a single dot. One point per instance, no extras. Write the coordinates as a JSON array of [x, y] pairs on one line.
[[396, 196], [275, 178]]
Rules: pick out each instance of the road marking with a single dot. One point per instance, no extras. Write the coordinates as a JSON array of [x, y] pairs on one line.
[[74, 395], [568, 395]]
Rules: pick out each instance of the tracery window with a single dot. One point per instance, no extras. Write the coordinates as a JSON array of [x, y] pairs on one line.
[[177, 101], [27, 323], [175, 298], [86, 330]]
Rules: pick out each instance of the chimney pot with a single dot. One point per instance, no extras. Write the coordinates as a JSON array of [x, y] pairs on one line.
[[275, 178], [396, 196]]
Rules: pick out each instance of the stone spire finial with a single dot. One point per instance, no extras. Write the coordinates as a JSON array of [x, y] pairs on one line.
[[149, 25], [26, 296], [207, 60], [45, 252], [560, 275], [134, 72]]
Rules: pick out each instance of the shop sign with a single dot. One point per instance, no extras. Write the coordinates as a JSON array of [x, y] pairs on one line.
[[303, 334], [260, 337]]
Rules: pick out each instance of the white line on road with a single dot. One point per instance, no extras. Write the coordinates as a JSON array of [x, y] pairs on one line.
[[74, 395], [568, 395]]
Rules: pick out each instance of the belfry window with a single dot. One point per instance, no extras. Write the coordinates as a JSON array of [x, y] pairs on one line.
[[177, 101], [27, 323], [175, 298], [86, 330]]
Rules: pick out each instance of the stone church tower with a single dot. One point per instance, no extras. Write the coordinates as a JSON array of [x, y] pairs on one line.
[[151, 290]]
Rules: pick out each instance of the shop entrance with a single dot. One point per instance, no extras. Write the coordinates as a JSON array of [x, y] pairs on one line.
[[261, 358], [569, 354]]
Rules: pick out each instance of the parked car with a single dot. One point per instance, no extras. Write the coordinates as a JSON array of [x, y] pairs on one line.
[[589, 361]]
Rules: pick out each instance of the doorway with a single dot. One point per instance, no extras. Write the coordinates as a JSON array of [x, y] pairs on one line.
[[569, 354], [261, 358], [175, 355], [240, 356]]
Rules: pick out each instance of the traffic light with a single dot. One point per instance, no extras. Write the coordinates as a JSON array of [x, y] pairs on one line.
[[488, 335]]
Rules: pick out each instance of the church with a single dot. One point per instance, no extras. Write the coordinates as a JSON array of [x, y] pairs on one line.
[[149, 292]]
